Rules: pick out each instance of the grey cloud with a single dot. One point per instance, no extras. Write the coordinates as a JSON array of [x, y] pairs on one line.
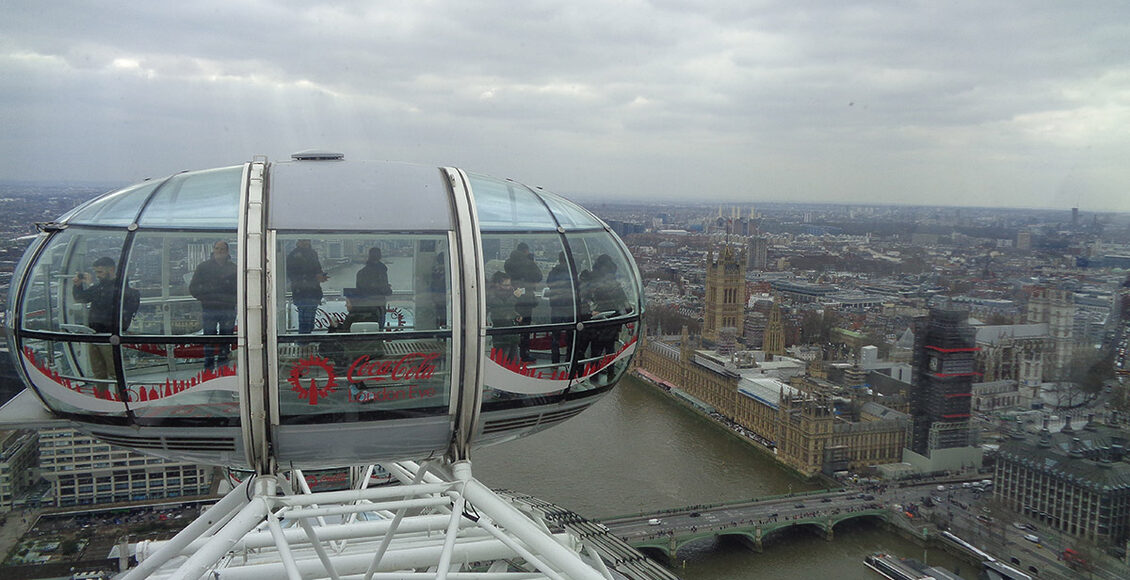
[[814, 98]]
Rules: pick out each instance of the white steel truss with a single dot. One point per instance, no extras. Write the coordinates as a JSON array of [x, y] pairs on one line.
[[438, 522]]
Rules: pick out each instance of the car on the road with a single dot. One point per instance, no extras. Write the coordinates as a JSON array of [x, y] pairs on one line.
[[695, 514], [654, 522], [1032, 538], [799, 505]]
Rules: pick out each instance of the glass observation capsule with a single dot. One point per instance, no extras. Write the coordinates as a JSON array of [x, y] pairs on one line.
[[321, 312]]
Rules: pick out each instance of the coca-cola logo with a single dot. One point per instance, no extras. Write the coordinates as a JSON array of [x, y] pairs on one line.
[[317, 479], [412, 366], [311, 370], [380, 380]]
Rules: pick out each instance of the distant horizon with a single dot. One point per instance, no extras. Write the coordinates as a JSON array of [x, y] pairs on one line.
[[597, 198]]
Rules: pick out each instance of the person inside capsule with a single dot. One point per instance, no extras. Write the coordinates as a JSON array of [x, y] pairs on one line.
[[502, 299], [214, 286], [371, 292], [304, 271], [101, 294], [524, 274]]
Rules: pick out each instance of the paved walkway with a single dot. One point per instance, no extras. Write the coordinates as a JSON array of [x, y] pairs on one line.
[[16, 524]]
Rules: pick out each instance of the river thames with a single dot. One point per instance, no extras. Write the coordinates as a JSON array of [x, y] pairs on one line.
[[637, 450]]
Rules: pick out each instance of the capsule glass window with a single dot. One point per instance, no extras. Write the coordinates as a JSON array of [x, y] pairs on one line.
[[199, 199], [72, 284], [116, 209], [606, 277], [73, 377], [364, 329], [193, 382], [529, 280], [569, 215], [187, 283], [369, 283], [506, 205]]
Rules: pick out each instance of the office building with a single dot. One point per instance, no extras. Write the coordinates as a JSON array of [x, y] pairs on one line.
[[18, 453], [1075, 481], [86, 471]]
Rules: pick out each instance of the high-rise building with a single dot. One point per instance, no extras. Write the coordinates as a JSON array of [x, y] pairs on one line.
[[83, 470], [1024, 240], [18, 453], [725, 292], [758, 253], [944, 348]]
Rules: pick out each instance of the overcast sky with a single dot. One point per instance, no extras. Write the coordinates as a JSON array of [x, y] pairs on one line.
[[1023, 103]]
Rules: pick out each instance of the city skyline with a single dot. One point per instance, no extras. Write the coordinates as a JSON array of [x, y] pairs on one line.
[[840, 299], [82, 190], [1004, 105]]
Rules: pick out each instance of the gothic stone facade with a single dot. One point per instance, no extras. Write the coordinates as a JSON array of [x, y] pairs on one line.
[[800, 428]]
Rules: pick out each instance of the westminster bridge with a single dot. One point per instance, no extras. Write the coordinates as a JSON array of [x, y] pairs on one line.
[[625, 541], [751, 521]]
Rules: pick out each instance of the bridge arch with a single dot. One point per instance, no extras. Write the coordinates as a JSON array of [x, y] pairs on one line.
[[657, 553], [745, 537], [880, 515], [769, 530]]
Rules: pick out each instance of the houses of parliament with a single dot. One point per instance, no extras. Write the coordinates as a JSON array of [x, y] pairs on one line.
[[788, 406]]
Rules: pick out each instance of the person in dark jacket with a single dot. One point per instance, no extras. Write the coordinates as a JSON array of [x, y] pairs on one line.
[[501, 300], [373, 290], [214, 286], [559, 281], [524, 273], [608, 301], [304, 271], [102, 294], [604, 298]]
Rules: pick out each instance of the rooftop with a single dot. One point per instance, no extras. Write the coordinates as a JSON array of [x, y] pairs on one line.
[[1093, 456]]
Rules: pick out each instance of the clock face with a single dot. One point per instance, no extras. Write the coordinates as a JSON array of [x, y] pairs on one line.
[[933, 364]]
